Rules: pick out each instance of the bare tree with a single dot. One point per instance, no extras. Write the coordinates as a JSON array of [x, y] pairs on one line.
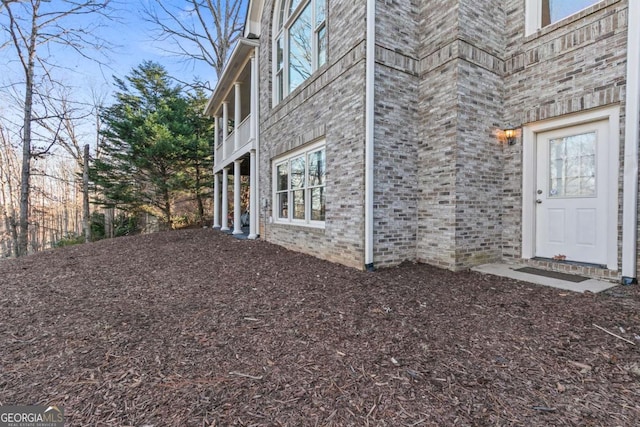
[[86, 223], [32, 26], [207, 36], [62, 122], [8, 180]]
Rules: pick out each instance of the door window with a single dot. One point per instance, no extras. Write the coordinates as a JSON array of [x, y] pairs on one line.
[[572, 166]]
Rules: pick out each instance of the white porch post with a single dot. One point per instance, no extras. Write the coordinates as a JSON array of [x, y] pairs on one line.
[[216, 139], [253, 196], [225, 200], [216, 201], [216, 178], [237, 208], [254, 98], [237, 116], [225, 128]]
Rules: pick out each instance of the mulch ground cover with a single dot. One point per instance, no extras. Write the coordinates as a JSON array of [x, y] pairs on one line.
[[196, 328]]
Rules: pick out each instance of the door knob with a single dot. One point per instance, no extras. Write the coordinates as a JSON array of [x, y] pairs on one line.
[[538, 201]]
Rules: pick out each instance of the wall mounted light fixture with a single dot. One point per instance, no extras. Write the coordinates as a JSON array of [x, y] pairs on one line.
[[510, 135]]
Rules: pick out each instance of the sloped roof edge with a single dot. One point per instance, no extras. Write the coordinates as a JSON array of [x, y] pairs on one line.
[[242, 49]]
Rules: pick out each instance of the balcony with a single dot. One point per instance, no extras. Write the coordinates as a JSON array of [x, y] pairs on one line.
[[234, 104], [228, 150], [234, 107]]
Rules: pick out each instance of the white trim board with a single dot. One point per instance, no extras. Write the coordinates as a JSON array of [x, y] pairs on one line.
[[632, 139]]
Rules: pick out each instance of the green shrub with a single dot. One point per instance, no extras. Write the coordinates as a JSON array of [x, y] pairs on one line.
[[69, 240], [125, 225]]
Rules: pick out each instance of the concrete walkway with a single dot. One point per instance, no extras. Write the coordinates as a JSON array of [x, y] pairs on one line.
[[505, 270]]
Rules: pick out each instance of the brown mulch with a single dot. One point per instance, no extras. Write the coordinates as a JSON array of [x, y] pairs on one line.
[[196, 328]]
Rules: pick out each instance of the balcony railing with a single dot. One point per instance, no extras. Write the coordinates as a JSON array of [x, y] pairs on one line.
[[226, 149]]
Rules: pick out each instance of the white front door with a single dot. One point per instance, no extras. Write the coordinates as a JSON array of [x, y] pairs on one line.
[[571, 194]]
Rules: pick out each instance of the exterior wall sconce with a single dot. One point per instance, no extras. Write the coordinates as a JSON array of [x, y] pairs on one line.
[[510, 135]]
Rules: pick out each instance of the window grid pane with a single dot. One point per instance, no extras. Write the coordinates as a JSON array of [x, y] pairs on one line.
[[298, 173], [300, 49], [317, 204], [283, 205], [321, 40], [300, 44], [316, 168], [572, 166], [281, 16], [283, 176], [279, 53], [556, 10], [300, 187], [298, 204], [320, 12]]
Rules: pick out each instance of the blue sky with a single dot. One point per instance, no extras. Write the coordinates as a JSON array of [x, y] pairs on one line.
[[133, 40], [562, 8]]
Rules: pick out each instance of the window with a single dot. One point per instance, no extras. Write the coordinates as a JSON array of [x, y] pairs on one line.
[[299, 43], [541, 13], [299, 187], [572, 166]]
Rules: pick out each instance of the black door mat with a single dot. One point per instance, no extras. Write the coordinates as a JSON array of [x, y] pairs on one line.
[[553, 274]]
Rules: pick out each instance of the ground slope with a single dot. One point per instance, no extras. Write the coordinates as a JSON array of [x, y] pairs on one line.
[[196, 328]]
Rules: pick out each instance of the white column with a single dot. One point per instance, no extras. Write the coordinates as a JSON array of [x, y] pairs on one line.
[[256, 121], [237, 208], [237, 116], [253, 198], [216, 139], [254, 98], [216, 200], [631, 141], [225, 128], [225, 200]]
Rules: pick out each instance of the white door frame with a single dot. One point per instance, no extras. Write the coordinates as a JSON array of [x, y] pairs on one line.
[[529, 166]]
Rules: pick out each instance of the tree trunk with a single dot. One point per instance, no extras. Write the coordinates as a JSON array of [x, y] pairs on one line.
[[8, 205], [33, 240], [86, 225], [10, 224], [167, 207], [108, 222], [198, 194], [166, 197], [23, 236]]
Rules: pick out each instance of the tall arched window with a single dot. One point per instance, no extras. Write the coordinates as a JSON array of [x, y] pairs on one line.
[[299, 43]]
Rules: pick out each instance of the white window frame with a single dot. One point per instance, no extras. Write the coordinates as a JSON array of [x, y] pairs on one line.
[[280, 88], [286, 159], [533, 15]]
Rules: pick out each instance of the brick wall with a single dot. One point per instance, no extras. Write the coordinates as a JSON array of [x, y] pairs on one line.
[[460, 161], [450, 74], [396, 114], [570, 67], [329, 105]]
